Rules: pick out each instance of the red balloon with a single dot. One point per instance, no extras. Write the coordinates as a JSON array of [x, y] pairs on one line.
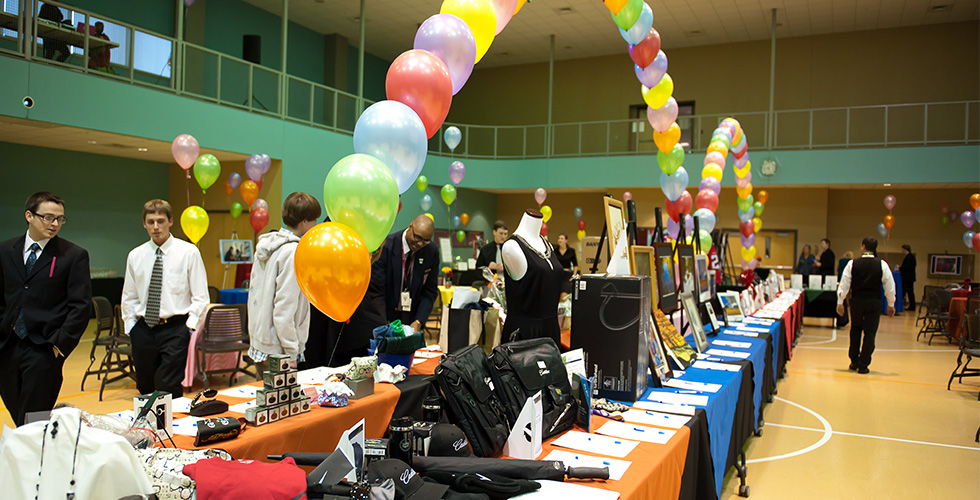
[[421, 81], [707, 199], [399, 205], [739, 154], [747, 228], [258, 218], [259, 183], [680, 206], [976, 242], [646, 51], [581, 225], [747, 277], [544, 229]]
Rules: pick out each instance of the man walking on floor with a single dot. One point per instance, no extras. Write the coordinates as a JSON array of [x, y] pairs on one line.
[[164, 296], [864, 278]]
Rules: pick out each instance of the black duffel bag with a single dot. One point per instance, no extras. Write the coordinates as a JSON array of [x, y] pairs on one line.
[[464, 378], [522, 368]]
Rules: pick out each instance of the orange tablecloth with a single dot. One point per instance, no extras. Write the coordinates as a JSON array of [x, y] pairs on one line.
[[957, 306]]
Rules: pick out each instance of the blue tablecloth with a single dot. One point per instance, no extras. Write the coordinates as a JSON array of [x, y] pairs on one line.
[[757, 355], [899, 307], [234, 296]]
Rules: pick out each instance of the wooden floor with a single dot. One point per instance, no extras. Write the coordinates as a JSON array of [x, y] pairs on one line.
[[830, 434]]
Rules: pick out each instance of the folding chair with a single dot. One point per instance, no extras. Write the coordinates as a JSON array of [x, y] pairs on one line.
[[225, 330]]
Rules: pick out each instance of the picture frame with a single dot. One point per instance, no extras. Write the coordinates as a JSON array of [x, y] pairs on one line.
[[694, 319], [644, 263], [732, 304], [659, 366], [686, 272], [712, 317], [235, 251], [719, 310], [713, 283], [702, 277], [615, 213], [666, 282]]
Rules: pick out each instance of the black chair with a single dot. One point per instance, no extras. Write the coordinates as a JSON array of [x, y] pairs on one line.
[[103, 331], [943, 299], [923, 310], [970, 348], [109, 335], [225, 330], [215, 294], [121, 349], [936, 318]]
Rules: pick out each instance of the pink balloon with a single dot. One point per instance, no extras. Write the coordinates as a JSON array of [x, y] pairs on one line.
[[627, 196], [890, 202], [456, 172], [968, 218], [505, 10], [744, 181], [663, 117], [540, 195], [260, 203], [944, 210], [185, 150], [710, 183], [716, 158]]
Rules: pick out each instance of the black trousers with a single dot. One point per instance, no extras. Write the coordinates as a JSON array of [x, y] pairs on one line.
[[30, 377], [160, 355], [865, 315], [908, 290]]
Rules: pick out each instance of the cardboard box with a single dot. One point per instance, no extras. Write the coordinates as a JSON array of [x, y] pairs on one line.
[[161, 415], [295, 392], [612, 325], [375, 449], [273, 413], [257, 416], [304, 404], [267, 397], [272, 380], [361, 387], [284, 395], [291, 377], [279, 363]]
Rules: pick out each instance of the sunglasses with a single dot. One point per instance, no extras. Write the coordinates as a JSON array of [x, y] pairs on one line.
[[207, 393]]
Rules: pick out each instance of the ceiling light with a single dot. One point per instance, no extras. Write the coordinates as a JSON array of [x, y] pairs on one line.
[[694, 32], [939, 8], [92, 142], [565, 10], [141, 149], [504, 54], [887, 184]]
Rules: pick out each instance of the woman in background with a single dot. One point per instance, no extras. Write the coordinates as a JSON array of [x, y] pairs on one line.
[[566, 255], [804, 265]]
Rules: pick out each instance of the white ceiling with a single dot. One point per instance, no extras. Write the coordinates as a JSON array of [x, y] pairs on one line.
[[588, 29]]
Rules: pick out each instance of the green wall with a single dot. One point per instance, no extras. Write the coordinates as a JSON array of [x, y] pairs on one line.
[[375, 71], [103, 195]]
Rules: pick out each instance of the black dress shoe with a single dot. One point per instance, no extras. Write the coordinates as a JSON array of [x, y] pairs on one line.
[[852, 367], [863, 370]]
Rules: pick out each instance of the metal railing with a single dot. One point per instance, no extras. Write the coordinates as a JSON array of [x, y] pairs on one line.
[[192, 70]]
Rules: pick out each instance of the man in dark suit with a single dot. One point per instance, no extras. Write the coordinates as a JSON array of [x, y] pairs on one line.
[[47, 296], [490, 256], [907, 269], [827, 265], [403, 279]]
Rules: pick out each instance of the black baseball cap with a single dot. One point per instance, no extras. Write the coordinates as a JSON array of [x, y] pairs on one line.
[[408, 484], [447, 440]]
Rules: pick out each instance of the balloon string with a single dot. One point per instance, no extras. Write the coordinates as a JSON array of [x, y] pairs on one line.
[[187, 188]]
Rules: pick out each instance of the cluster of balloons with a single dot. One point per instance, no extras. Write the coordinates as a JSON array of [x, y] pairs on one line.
[[539, 196], [581, 223], [186, 151], [888, 222], [972, 239]]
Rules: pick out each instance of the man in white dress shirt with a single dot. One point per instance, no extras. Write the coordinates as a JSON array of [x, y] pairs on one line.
[[864, 278], [164, 296]]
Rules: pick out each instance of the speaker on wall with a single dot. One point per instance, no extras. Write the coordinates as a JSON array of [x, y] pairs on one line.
[[252, 48]]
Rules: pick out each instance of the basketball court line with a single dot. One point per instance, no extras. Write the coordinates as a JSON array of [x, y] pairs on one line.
[[841, 433], [828, 431], [802, 346]]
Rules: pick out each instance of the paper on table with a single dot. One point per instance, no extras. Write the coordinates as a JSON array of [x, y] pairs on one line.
[[557, 490], [616, 467], [243, 391], [420, 354], [241, 407], [592, 443], [186, 426], [742, 333], [181, 405], [637, 432], [315, 376], [733, 343], [655, 418], [694, 386], [711, 365], [464, 295], [728, 354], [417, 361], [665, 407], [678, 399]]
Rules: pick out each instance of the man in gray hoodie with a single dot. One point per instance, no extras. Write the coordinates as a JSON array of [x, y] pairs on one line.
[[278, 312]]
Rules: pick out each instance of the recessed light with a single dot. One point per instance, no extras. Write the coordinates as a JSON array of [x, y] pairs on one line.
[[887, 184], [92, 142], [568, 47], [565, 10], [141, 149], [504, 54], [939, 8], [694, 32]]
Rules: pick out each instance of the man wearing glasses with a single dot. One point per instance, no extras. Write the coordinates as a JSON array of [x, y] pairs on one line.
[[403, 279], [47, 297]]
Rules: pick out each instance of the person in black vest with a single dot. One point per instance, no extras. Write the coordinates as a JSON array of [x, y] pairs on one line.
[[490, 253], [864, 278], [907, 269], [826, 266]]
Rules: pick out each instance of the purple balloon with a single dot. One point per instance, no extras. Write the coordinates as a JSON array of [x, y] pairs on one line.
[[663, 117], [452, 41], [456, 172], [257, 165], [740, 162], [747, 242], [744, 181], [234, 180], [968, 218], [674, 227], [710, 183], [651, 75]]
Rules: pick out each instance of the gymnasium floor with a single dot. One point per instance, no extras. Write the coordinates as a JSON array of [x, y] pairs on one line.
[[830, 433]]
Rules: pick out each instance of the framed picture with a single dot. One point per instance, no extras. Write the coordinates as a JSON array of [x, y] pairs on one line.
[[615, 222], [694, 319], [712, 283], [235, 251], [712, 318], [643, 263], [686, 270], [676, 347], [703, 278], [732, 304], [659, 366], [945, 265], [666, 283], [718, 310]]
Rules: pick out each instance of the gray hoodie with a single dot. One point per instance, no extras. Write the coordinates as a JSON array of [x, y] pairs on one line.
[[278, 312]]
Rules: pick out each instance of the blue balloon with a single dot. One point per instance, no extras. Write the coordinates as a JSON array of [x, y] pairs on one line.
[[968, 239], [674, 184], [746, 216], [452, 136], [977, 215], [578, 212], [706, 219], [651, 75], [883, 231], [425, 202], [455, 221], [723, 131], [640, 28], [393, 133]]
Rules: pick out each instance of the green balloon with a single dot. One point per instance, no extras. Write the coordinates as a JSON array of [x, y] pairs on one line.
[[705, 240], [759, 208], [449, 194], [671, 161], [721, 138], [944, 219], [236, 210], [360, 192], [460, 236], [628, 14], [206, 171], [422, 182], [746, 204]]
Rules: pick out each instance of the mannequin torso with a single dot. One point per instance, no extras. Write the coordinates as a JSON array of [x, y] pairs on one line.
[[530, 231]]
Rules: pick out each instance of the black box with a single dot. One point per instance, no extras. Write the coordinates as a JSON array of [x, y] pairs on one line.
[[611, 323]]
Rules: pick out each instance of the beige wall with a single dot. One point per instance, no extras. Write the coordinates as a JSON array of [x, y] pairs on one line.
[[902, 65]]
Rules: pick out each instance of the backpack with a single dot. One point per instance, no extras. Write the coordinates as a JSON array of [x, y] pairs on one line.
[[520, 369], [464, 378]]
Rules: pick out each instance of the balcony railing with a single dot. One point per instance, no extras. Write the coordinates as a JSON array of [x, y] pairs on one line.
[[125, 52]]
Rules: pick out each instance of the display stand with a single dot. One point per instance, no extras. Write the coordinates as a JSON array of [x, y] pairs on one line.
[[598, 250], [224, 275], [631, 234]]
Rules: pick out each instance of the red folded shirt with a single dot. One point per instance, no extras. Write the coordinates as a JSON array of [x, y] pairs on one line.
[[219, 479]]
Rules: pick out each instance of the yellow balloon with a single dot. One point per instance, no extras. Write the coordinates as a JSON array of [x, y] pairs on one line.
[[758, 223], [480, 16], [194, 221], [711, 170], [657, 96], [581, 234], [744, 193], [742, 172], [614, 6], [748, 253], [546, 212], [427, 214]]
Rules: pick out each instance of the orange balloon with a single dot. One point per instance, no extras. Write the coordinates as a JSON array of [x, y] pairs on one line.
[[333, 269], [520, 3], [889, 221], [668, 139], [975, 200], [464, 218], [719, 147], [228, 189], [744, 193], [250, 191], [762, 196], [614, 6]]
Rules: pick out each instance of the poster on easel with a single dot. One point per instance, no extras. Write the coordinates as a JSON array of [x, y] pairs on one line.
[[677, 348]]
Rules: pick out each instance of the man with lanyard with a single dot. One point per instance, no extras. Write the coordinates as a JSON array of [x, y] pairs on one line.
[[490, 253], [864, 278], [403, 279]]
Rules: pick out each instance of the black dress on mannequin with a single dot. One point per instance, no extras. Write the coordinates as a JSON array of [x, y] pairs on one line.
[[532, 301]]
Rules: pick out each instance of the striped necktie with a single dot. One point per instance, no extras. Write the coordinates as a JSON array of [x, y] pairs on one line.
[[152, 315], [20, 326]]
